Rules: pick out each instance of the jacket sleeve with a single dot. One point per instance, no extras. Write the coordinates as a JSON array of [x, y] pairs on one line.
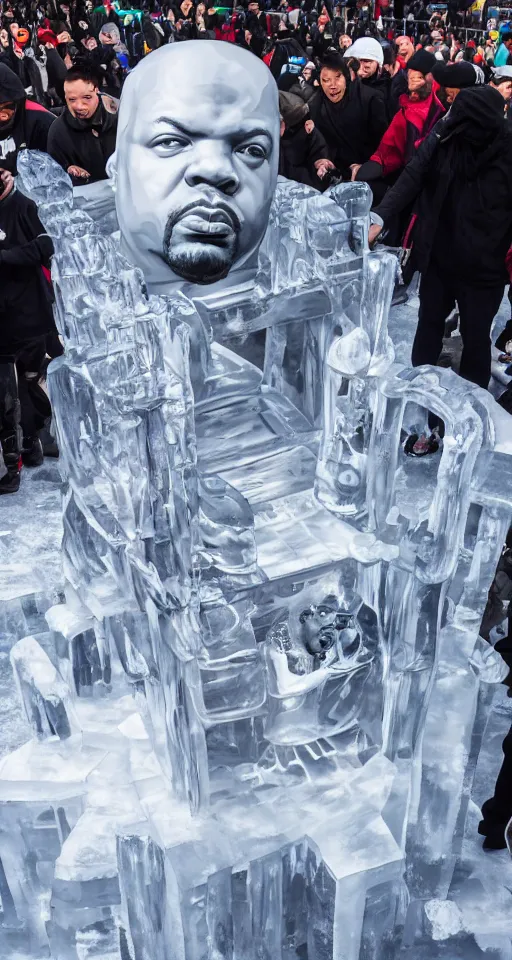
[[37, 251], [57, 146], [39, 246], [317, 147], [378, 121], [55, 65], [391, 150], [410, 182]]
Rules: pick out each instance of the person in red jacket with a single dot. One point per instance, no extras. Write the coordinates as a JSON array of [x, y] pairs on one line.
[[420, 109]]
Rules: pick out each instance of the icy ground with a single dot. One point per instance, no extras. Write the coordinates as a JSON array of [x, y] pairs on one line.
[[30, 531]]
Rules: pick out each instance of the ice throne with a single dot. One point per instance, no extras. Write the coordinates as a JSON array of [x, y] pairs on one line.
[[238, 711]]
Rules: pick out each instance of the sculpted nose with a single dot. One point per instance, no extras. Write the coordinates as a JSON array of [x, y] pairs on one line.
[[213, 164]]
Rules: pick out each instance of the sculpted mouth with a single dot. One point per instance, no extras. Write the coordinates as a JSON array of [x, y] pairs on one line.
[[213, 223]]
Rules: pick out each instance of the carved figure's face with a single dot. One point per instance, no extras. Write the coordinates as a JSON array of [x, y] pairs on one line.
[[196, 161]]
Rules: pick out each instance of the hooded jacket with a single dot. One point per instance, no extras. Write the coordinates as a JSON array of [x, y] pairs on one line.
[[86, 144], [30, 125], [460, 182]]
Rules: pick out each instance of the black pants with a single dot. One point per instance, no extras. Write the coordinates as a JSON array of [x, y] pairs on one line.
[[10, 431], [497, 811], [506, 333], [23, 402], [439, 292]]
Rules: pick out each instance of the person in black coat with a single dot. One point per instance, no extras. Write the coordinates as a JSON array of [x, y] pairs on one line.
[[303, 154], [23, 123], [460, 180], [83, 138], [27, 330], [350, 117]]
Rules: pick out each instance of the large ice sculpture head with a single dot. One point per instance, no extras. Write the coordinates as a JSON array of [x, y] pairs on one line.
[[196, 164]]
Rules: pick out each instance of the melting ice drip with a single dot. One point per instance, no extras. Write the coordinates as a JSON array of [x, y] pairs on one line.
[[239, 711]]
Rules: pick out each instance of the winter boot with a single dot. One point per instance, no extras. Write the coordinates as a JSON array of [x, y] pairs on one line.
[[32, 452], [50, 448], [10, 434], [10, 482]]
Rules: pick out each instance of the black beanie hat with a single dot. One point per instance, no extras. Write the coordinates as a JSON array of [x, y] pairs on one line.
[[11, 87], [458, 75], [422, 61]]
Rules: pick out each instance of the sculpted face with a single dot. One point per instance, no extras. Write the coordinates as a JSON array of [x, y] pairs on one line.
[[196, 162]]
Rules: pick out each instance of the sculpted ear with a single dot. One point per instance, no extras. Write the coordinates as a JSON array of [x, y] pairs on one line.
[[111, 169]]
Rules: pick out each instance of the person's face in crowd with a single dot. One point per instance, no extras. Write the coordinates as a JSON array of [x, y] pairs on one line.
[[253, 8], [333, 84], [405, 48], [90, 43], [196, 168], [307, 73], [367, 68], [508, 44], [345, 42], [4, 38], [6, 183], [504, 88], [82, 98], [419, 86], [14, 27], [7, 111], [108, 40], [170, 16], [451, 93]]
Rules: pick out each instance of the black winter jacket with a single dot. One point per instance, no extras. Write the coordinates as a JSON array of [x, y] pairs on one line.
[[298, 154], [25, 293], [463, 224], [89, 147], [353, 128]]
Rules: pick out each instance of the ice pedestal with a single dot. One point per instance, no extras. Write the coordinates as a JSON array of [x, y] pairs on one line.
[[251, 553]]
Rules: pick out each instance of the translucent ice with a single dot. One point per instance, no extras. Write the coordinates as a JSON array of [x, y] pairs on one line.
[[270, 612]]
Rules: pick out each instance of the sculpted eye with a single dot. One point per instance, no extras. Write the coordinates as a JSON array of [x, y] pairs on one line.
[[169, 144], [253, 151]]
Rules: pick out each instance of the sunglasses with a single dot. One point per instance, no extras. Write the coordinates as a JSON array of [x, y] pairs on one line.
[[7, 107]]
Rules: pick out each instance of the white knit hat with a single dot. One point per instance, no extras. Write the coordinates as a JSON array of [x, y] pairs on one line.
[[502, 72], [366, 48]]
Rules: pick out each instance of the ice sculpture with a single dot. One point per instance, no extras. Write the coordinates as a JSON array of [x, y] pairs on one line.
[[241, 745]]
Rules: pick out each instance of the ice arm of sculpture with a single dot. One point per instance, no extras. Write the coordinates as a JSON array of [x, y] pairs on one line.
[[287, 684]]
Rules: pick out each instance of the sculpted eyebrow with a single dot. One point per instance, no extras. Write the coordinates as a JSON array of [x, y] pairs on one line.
[[173, 123], [237, 137]]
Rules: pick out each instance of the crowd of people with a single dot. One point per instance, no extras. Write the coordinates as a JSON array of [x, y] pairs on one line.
[[416, 106]]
